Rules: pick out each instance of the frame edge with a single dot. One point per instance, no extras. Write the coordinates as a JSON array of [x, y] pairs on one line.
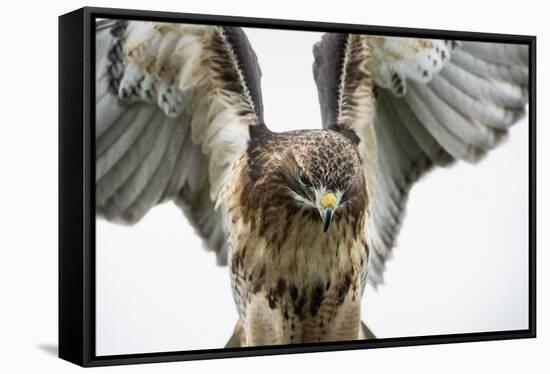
[[76, 290], [71, 259]]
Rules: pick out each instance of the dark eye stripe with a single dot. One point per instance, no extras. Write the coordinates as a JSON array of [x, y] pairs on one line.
[[347, 194], [303, 178]]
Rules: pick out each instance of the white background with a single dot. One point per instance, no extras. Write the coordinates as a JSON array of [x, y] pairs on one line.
[[461, 266], [28, 146]]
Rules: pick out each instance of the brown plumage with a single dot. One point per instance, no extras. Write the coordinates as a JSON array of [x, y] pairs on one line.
[[293, 282]]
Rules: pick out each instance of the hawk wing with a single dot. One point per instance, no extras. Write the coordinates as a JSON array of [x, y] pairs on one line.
[[412, 104], [175, 105]]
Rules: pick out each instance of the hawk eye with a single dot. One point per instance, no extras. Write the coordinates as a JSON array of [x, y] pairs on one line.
[[303, 178]]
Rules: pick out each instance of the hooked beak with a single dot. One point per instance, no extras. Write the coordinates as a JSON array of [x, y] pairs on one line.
[[327, 219], [328, 205]]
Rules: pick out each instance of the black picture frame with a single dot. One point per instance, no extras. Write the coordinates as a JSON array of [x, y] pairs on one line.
[[76, 190]]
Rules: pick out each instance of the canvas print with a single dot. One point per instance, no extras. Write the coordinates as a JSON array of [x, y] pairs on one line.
[[252, 185]]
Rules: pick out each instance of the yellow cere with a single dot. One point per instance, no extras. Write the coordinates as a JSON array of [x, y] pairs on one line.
[[328, 200]]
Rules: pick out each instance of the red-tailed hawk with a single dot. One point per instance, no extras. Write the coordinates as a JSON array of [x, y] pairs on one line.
[[306, 218]]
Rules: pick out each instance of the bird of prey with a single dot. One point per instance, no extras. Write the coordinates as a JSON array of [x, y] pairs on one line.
[[303, 219]]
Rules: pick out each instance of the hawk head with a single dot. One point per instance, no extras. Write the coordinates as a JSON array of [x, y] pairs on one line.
[[316, 173], [326, 174]]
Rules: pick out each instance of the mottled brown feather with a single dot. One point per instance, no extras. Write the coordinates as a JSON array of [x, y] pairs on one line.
[[292, 282]]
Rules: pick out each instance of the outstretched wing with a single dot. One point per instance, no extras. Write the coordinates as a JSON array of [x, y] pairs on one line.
[[175, 105], [412, 104]]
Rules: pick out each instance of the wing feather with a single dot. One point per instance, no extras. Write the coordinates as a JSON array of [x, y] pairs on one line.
[[450, 142], [503, 94], [174, 108], [429, 102], [499, 53], [487, 113], [106, 140], [118, 204], [111, 177], [156, 183], [136, 125], [515, 74]]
